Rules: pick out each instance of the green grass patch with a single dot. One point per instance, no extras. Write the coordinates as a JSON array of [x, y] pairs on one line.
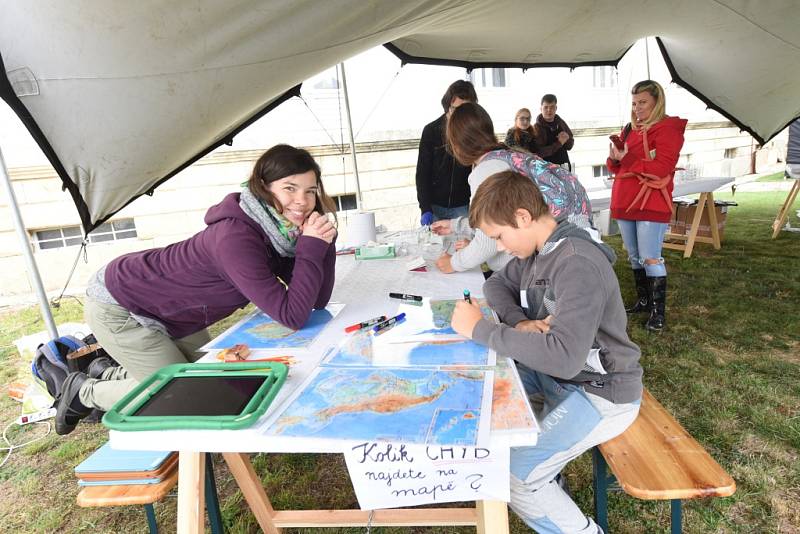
[[727, 367], [776, 177]]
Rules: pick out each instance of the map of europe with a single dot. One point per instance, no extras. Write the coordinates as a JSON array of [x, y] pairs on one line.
[[411, 406], [259, 331]]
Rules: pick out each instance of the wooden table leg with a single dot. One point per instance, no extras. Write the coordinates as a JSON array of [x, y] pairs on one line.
[[492, 517], [784, 211], [712, 220], [252, 489], [191, 492], [698, 214]]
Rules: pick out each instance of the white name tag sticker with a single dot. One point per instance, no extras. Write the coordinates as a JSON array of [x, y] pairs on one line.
[[523, 298]]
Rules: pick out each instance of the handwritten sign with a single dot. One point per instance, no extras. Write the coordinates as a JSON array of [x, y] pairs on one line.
[[391, 475]]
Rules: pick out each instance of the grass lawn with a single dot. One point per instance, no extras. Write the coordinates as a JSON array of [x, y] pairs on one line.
[[777, 177], [727, 367]]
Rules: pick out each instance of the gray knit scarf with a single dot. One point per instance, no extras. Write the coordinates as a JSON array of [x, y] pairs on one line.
[[258, 210]]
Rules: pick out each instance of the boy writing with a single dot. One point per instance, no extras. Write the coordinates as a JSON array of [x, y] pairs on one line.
[[563, 322]]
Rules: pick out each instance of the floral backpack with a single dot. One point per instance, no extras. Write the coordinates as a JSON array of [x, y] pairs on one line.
[[563, 192]]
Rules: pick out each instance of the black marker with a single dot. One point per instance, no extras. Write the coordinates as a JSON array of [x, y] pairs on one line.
[[388, 323], [467, 297], [404, 296]]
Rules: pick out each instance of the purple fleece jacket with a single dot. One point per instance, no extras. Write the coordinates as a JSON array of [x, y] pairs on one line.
[[194, 283]]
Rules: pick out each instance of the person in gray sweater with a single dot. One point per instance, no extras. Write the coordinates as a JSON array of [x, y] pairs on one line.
[[564, 324]]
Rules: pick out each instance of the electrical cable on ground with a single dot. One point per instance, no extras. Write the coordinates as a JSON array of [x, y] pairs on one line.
[[11, 447]]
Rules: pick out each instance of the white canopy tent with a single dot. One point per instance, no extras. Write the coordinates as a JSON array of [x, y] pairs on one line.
[[122, 95]]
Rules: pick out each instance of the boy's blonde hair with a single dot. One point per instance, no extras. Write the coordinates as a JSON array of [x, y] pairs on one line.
[[501, 195]]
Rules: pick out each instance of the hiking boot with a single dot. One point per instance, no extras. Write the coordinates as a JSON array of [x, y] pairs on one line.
[[94, 417], [642, 304], [69, 408], [98, 365], [657, 286]]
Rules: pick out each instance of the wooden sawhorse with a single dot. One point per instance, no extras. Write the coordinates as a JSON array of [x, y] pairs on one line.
[[705, 202], [784, 211], [490, 517]]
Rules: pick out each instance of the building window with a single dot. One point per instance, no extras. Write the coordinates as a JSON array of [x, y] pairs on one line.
[[730, 153], [488, 77], [345, 202], [600, 171], [69, 236], [604, 77]]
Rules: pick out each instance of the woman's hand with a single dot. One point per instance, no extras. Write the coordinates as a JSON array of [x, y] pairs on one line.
[[541, 326], [442, 227], [465, 316], [461, 243], [319, 226], [444, 264], [615, 153]]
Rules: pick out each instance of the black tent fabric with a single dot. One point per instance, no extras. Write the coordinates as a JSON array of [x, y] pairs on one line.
[[793, 147]]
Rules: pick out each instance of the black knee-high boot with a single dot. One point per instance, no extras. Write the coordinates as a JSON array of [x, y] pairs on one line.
[[657, 286], [642, 304]]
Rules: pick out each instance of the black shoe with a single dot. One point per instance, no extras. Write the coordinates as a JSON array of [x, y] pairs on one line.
[[642, 304], [52, 375], [94, 417], [98, 365], [69, 408], [658, 293]]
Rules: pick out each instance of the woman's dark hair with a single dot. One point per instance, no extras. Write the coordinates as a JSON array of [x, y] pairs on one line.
[[279, 162], [470, 133], [461, 89]]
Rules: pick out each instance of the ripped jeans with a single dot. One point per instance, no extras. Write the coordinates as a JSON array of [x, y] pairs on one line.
[[643, 241], [572, 422]]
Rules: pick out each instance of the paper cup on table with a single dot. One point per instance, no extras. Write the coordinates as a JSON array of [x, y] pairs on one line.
[[360, 229]]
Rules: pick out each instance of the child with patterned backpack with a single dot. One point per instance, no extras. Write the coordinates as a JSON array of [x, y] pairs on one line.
[[470, 135]]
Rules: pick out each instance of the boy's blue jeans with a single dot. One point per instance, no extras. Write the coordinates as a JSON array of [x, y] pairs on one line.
[[643, 240], [572, 422]]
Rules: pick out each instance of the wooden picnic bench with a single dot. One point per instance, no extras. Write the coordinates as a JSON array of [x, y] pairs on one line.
[[147, 494], [657, 459]]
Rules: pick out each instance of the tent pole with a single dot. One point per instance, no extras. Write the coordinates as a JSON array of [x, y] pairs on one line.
[[352, 139], [30, 262]]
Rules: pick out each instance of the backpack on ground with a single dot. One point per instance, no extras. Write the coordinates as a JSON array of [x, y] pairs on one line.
[[50, 362]]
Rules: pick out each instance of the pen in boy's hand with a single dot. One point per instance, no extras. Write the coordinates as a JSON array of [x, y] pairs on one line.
[[466, 296]]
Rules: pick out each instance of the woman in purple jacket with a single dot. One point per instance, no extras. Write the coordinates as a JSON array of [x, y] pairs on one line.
[[272, 245]]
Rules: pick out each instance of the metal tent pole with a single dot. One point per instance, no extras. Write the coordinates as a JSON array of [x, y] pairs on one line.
[[352, 139], [30, 262]]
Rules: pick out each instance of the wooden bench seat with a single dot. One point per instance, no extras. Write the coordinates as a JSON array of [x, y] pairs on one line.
[[657, 459], [147, 494]]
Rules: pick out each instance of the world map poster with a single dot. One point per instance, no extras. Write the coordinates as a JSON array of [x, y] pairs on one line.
[[259, 331], [430, 319], [399, 405], [363, 349], [511, 411]]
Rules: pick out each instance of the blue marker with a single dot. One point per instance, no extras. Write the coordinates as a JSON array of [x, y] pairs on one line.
[[467, 297], [388, 323]]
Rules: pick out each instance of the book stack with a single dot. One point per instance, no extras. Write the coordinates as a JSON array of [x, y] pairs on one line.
[[113, 467]]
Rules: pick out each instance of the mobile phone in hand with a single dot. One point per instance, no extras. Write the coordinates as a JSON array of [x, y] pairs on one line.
[[617, 142]]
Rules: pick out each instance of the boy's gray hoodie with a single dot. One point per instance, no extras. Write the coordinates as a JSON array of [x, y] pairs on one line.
[[572, 280]]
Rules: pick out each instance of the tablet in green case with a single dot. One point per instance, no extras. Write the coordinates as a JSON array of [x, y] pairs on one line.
[[218, 396]]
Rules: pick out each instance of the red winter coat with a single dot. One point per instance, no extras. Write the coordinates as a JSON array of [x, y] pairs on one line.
[[643, 184]]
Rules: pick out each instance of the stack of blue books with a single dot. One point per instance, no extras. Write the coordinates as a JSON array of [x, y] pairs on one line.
[[112, 467]]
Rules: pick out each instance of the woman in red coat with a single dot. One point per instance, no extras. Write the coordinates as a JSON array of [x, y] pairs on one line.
[[641, 199]]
